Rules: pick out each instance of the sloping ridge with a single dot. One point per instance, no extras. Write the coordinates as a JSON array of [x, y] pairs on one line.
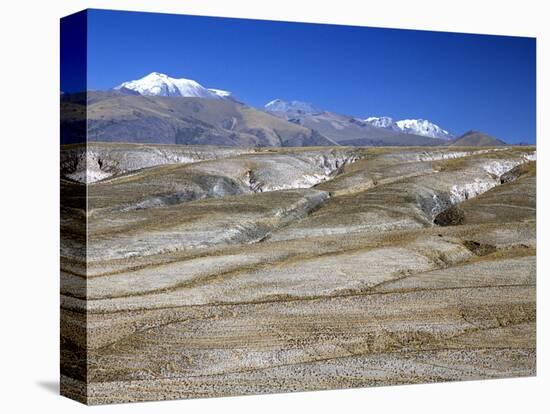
[[120, 117], [347, 130]]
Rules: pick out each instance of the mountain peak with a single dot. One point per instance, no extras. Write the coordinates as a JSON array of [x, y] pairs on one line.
[[381, 122], [420, 127], [157, 74], [423, 127], [160, 84], [478, 139], [472, 132], [280, 105]]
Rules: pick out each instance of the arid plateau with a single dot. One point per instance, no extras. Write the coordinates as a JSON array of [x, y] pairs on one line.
[[193, 271]]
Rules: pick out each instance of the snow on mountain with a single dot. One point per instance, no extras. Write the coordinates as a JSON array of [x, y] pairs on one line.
[[279, 105], [381, 122], [159, 84], [424, 128], [221, 93], [420, 127]]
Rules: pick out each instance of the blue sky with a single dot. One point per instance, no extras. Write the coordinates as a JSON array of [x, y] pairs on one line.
[[458, 81]]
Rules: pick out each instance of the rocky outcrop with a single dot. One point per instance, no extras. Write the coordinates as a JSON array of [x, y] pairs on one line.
[[94, 162]]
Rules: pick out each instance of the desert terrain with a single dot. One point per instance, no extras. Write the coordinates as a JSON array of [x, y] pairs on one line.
[[194, 271]]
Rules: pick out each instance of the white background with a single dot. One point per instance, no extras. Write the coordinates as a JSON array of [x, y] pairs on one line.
[[29, 192]]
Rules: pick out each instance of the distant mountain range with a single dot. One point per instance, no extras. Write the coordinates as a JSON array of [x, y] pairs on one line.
[[421, 127], [343, 129], [117, 116], [145, 110]]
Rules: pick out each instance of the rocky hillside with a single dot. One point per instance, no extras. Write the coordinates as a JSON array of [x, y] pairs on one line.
[[120, 117]]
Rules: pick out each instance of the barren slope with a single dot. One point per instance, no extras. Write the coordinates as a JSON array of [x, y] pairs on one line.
[[213, 272]]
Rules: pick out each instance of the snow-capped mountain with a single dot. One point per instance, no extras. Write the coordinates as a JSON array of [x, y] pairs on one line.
[[159, 84], [279, 105], [424, 128], [420, 127], [382, 122]]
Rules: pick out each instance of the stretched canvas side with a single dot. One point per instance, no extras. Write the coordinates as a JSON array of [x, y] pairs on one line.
[[73, 219]]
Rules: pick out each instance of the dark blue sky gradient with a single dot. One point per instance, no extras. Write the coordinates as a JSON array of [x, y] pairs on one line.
[[458, 81]]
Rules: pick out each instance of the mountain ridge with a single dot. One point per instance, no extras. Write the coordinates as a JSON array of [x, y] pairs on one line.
[[419, 127], [113, 116], [280, 105], [344, 129], [160, 109]]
